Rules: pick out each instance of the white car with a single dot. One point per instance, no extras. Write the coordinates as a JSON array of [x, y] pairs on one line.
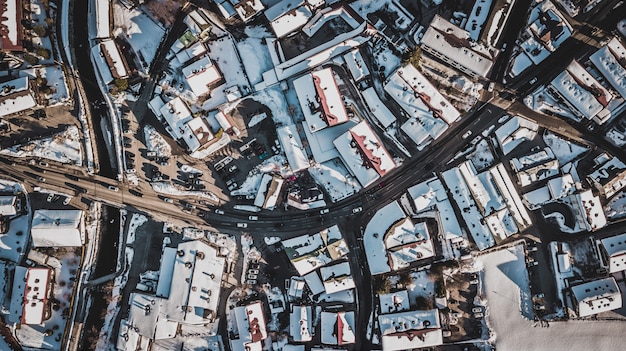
[[533, 81], [113, 188], [357, 209], [253, 271], [467, 134], [50, 197], [219, 212], [242, 225], [67, 200], [168, 200], [253, 218], [324, 211], [477, 310]]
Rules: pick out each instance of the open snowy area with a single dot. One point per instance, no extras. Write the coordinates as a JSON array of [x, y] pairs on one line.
[[62, 147], [155, 142]]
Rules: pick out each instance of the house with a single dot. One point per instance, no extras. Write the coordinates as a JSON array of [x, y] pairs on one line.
[[364, 154], [455, 47], [11, 32], [410, 330], [535, 167], [609, 60], [57, 228], [338, 328], [407, 242], [310, 252], [202, 76], [337, 277], [251, 326], [32, 287], [248, 9], [301, 323], [290, 21], [109, 62], [356, 65], [613, 253], [394, 302], [292, 145], [515, 131], [596, 296], [8, 205], [608, 175], [269, 191], [198, 23], [16, 96]]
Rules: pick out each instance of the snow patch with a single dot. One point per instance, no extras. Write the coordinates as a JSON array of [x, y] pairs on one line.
[[62, 147]]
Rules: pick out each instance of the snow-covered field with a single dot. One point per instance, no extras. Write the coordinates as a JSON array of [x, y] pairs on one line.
[[143, 34], [335, 179], [63, 147], [155, 142], [507, 290]]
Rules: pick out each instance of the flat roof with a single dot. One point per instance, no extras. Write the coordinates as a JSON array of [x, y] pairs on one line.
[[338, 328], [292, 145], [51, 228], [515, 131], [11, 20], [357, 67], [200, 75], [103, 21], [35, 294], [394, 302], [310, 252], [379, 110], [455, 44], [113, 58], [291, 21], [251, 322], [15, 96]]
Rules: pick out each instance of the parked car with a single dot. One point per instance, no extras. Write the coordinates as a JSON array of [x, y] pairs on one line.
[[41, 179], [219, 212], [252, 276], [168, 200], [540, 307], [532, 263], [477, 309], [43, 163], [190, 206], [467, 134], [113, 188], [232, 187], [50, 197], [253, 271], [253, 218], [357, 209], [251, 282], [478, 315], [533, 81], [539, 296], [67, 200], [324, 211]]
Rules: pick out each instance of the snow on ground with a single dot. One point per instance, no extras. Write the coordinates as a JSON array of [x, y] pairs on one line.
[[56, 81], [257, 57], [616, 208], [136, 221], [63, 147], [256, 119], [335, 179], [13, 243], [276, 164], [168, 188], [481, 157], [423, 285], [143, 34], [250, 185], [565, 151], [275, 100], [477, 18], [38, 14], [155, 142], [383, 56], [506, 285], [190, 169]]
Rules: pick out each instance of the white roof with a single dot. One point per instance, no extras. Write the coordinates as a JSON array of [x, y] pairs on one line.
[[187, 54], [455, 44], [591, 210], [521, 62], [30, 294], [564, 263], [251, 322], [197, 21], [551, 37], [569, 84], [615, 247], [431, 193], [103, 9], [379, 110], [611, 175], [374, 235], [301, 323], [116, 66], [314, 283], [607, 60], [196, 282], [291, 21], [410, 330], [482, 188], [320, 99], [337, 277], [511, 196], [357, 67], [515, 131], [15, 96], [338, 328], [394, 302], [310, 252], [364, 154], [200, 75], [194, 131], [246, 9], [321, 142], [57, 228], [146, 318], [292, 145], [407, 242], [7, 205], [166, 271], [281, 8], [260, 195], [597, 296]]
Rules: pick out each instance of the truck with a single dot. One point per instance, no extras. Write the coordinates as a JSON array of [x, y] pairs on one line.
[[247, 208]]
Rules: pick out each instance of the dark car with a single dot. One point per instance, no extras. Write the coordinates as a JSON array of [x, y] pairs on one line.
[[135, 192]]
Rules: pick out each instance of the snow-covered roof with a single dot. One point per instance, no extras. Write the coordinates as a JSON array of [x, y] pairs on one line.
[[379, 110], [482, 188], [407, 242], [11, 22], [338, 328], [281, 8], [410, 330], [394, 302], [561, 186], [511, 197], [7, 205], [310, 252], [198, 22], [609, 60], [583, 92], [314, 283], [296, 287], [15, 96], [29, 299], [166, 271], [610, 176], [251, 323], [291, 21], [301, 323], [351, 18], [597, 296], [451, 43], [374, 235], [548, 25], [590, 210], [246, 9], [320, 99], [187, 54], [356, 65], [273, 192], [521, 62], [364, 154], [292, 145], [194, 131], [515, 131], [615, 249], [146, 317], [103, 21], [201, 75], [337, 277], [195, 284], [114, 59], [57, 228]]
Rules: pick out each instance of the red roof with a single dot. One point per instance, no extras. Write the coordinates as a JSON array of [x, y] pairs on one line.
[[5, 42], [367, 154], [330, 119]]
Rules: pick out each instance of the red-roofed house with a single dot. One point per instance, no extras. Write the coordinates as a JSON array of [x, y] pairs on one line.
[[11, 33], [31, 290]]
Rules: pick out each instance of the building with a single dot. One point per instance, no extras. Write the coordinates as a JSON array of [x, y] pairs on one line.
[[364, 154], [109, 62], [11, 32], [310, 252], [8, 205], [407, 242], [290, 21], [250, 326], [202, 76], [301, 323], [248, 9], [356, 65], [535, 167], [613, 253], [410, 330], [292, 145], [428, 111], [269, 191], [198, 23], [609, 60], [338, 328], [515, 131], [556, 189], [596, 296], [320, 99], [608, 175], [57, 228], [102, 16], [394, 302], [337, 277], [455, 47], [31, 290], [16, 96]]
